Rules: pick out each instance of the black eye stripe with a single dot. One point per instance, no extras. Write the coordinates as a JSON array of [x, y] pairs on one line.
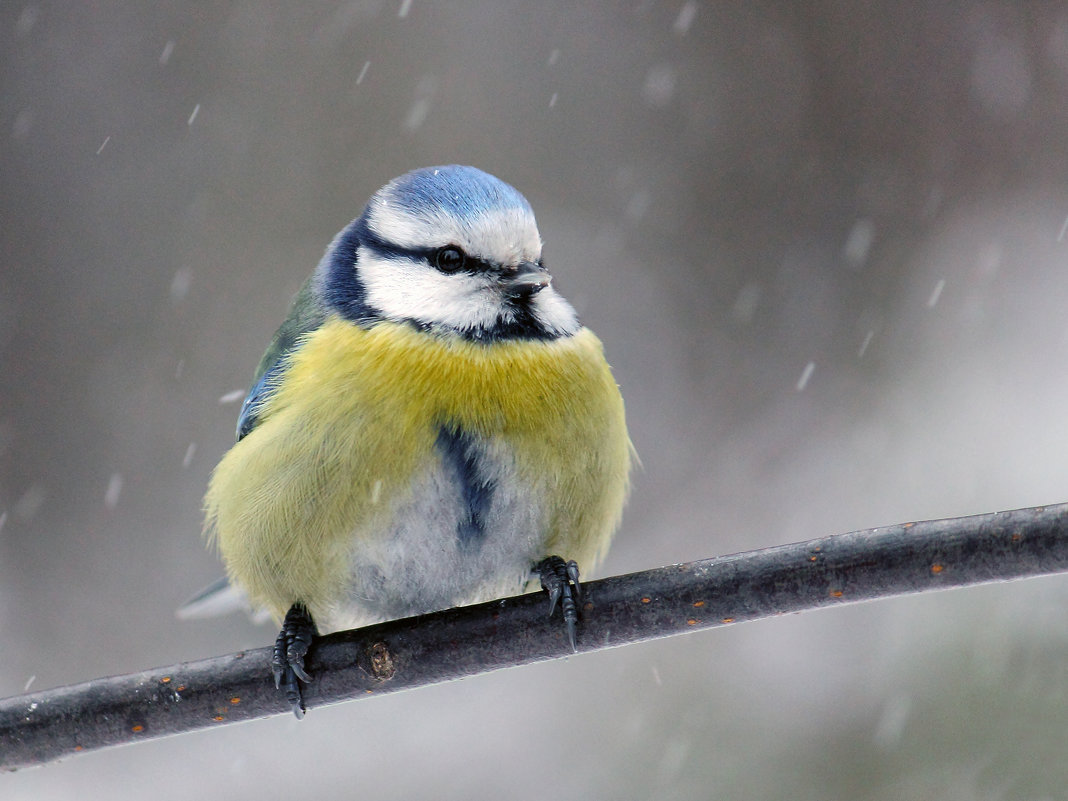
[[388, 250], [462, 262]]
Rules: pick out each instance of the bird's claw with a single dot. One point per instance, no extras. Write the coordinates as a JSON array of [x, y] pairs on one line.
[[561, 580], [290, 648]]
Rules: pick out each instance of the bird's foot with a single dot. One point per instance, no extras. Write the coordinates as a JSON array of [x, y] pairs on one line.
[[290, 648], [561, 580]]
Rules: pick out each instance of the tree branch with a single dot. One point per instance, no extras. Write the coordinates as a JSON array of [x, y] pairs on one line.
[[398, 655]]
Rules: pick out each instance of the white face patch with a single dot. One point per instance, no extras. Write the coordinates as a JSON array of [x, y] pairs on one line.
[[402, 289], [392, 249]]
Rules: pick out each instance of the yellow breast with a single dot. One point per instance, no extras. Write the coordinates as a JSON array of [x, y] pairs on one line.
[[357, 414]]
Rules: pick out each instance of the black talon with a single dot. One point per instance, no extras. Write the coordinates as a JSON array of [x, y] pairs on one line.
[[290, 648], [555, 591], [557, 578], [573, 574]]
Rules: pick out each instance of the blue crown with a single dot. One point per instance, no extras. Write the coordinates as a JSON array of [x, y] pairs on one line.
[[460, 191]]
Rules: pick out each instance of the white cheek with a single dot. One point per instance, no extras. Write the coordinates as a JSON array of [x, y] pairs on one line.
[[405, 290], [555, 313]]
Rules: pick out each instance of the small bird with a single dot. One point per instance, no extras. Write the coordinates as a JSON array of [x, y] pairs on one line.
[[430, 427]]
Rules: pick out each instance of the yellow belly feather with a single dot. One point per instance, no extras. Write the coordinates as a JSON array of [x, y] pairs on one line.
[[357, 414]]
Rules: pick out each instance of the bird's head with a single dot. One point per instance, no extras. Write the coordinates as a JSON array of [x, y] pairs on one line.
[[451, 250]]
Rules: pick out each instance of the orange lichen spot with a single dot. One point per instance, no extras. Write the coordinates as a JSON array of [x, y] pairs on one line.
[[179, 688], [235, 700], [937, 568], [136, 728], [813, 558], [218, 717], [691, 621], [698, 604], [728, 620], [908, 525], [646, 599], [836, 593], [166, 680], [77, 748]]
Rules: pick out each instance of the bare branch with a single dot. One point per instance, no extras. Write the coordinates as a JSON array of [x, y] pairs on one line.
[[863, 565]]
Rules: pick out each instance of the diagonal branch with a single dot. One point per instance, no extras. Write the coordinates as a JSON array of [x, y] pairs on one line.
[[401, 654]]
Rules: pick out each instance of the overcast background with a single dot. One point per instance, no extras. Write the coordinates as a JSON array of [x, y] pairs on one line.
[[824, 244]]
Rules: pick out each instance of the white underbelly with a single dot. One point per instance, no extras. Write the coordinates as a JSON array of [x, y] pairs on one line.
[[426, 558]]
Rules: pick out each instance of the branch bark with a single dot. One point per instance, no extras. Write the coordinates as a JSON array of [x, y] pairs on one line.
[[398, 655]]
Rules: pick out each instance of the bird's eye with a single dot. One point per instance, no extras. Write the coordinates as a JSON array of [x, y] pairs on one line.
[[449, 259]]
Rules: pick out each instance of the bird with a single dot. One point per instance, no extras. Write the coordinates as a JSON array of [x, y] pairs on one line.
[[431, 426]]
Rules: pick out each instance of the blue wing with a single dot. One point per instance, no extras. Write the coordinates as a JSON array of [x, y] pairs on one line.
[[260, 392], [305, 314]]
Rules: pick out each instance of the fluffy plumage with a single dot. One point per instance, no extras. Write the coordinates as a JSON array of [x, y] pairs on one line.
[[419, 435]]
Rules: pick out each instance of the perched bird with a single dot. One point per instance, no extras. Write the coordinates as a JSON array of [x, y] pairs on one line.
[[431, 426]]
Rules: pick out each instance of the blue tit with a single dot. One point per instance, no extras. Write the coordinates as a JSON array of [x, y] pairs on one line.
[[431, 426]]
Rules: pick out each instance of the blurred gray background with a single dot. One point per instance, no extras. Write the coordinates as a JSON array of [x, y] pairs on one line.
[[825, 246]]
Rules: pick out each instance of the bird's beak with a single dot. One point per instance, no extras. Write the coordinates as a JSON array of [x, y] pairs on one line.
[[525, 279]]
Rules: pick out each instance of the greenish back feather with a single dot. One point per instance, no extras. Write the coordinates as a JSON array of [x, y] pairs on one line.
[[306, 313]]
